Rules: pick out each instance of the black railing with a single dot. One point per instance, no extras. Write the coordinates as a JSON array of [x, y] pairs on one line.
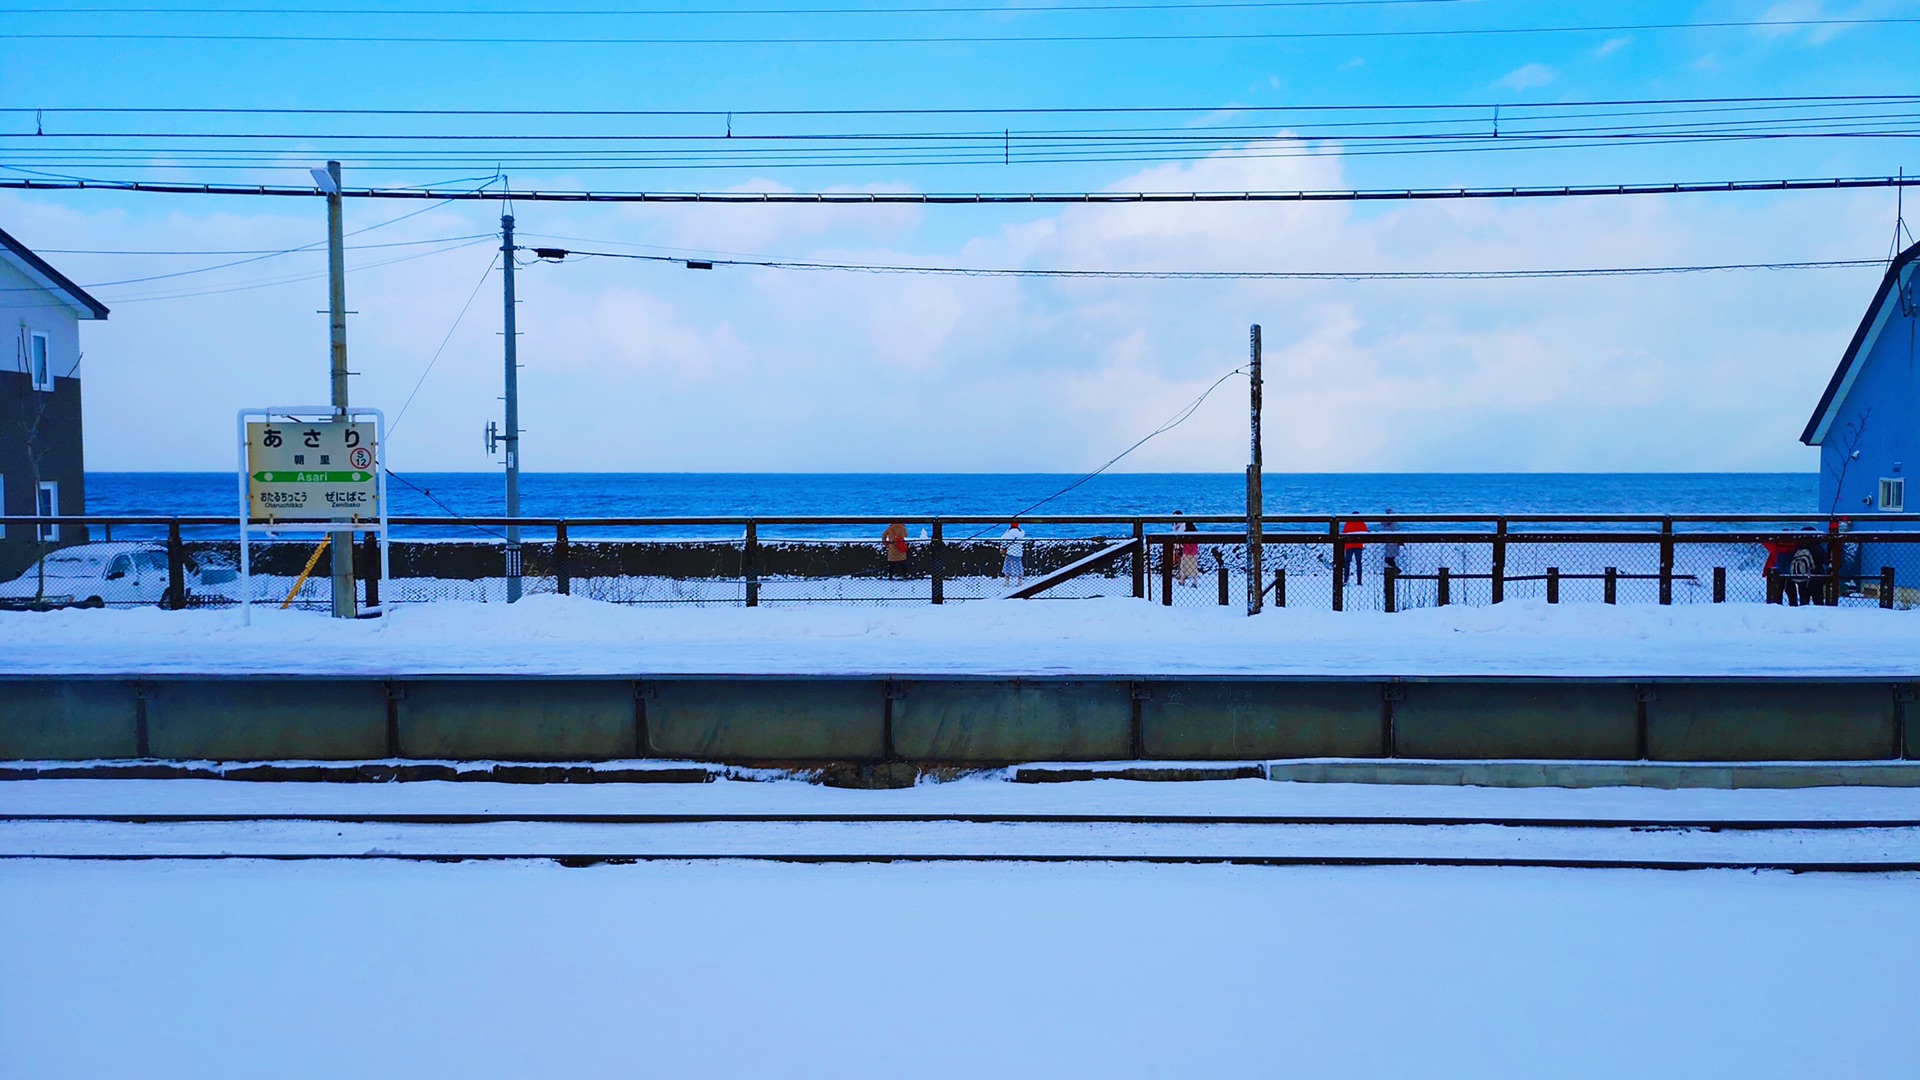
[[1400, 562]]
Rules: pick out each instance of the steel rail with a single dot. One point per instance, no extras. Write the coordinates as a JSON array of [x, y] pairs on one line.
[[585, 859], [1710, 824]]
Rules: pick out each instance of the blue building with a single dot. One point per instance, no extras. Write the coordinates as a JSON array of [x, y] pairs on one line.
[[1867, 425]]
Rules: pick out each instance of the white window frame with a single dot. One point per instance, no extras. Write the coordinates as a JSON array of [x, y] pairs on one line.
[[41, 372], [1896, 486], [48, 494]]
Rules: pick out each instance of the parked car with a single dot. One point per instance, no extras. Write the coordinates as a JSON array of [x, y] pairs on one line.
[[94, 575]]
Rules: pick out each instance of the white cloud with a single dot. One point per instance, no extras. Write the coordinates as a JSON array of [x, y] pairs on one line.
[[1613, 45], [1789, 11], [1528, 77], [648, 366], [1816, 10]]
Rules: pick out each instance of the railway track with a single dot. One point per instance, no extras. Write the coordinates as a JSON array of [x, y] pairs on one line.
[[1832, 845], [581, 859], [522, 817]]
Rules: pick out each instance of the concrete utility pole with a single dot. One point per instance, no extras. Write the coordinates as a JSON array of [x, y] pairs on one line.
[[513, 412], [1255, 502], [345, 604]]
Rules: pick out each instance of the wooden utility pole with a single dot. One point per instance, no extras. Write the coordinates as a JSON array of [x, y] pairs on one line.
[[1255, 503], [340, 543]]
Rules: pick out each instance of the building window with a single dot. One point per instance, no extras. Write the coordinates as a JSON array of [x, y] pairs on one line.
[[3, 506], [1893, 494], [39, 363], [49, 507]]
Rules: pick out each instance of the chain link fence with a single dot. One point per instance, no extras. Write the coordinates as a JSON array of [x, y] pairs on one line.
[[1395, 564]]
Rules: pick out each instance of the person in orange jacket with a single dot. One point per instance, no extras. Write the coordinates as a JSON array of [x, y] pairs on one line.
[[894, 542], [1355, 551]]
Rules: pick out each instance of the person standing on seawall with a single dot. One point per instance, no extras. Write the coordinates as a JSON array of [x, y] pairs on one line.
[[894, 541], [1189, 568], [1390, 549], [1355, 551], [1013, 568]]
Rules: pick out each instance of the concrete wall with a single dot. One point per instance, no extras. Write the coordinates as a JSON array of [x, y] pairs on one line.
[[250, 720], [68, 719], [1525, 720], [766, 720], [950, 721], [1244, 720]]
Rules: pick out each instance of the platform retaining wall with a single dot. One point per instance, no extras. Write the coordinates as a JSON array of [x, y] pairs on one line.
[[952, 721]]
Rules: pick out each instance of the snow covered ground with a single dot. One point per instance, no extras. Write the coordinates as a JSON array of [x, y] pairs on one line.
[[981, 794], [239, 969], [728, 970], [555, 635]]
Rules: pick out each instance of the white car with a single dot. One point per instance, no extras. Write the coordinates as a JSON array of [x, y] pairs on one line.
[[93, 575]]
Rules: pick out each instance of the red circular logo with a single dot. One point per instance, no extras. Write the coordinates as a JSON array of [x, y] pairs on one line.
[[362, 458]]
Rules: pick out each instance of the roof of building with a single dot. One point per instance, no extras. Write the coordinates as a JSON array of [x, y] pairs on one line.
[[1871, 324], [37, 268]]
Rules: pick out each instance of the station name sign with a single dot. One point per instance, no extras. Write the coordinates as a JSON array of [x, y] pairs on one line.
[[313, 470]]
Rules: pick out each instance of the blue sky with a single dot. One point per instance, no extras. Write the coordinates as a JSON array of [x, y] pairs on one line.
[[641, 366]]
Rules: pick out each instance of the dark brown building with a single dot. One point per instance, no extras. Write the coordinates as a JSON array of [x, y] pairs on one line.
[[42, 467]]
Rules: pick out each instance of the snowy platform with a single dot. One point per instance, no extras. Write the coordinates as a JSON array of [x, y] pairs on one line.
[[980, 684], [570, 637]]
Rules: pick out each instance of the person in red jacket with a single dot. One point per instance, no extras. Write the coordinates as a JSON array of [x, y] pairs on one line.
[[1354, 551], [1779, 552]]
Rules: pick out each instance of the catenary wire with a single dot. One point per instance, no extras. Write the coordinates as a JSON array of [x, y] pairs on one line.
[[1697, 116], [1175, 421], [1217, 275], [912, 198], [251, 251], [981, 39], [421, 381], [559, 12], [289, 280], [1508, 108], [275, 254], [1303, 150]]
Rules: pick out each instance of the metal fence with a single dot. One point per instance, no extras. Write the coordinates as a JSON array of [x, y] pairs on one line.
[[1398, 563]]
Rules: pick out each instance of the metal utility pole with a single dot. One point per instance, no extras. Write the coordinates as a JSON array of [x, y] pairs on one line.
[[1255, 503], [345, 605], [513, 412]]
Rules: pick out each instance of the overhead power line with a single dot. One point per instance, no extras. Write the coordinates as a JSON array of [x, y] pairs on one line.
[[252, 251], [559, 12], [194, 145], [1186, 412], [980, 39], [1508, 107], [704, 263], [877, 198], [267, 283]]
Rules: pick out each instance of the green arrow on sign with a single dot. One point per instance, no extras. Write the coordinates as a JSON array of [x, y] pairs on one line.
[[313, 477]]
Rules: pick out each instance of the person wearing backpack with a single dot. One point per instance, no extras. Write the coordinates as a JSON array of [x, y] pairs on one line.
[[1805, 567]]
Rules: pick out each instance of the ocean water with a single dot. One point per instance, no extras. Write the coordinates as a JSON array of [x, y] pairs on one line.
[[580, 495]]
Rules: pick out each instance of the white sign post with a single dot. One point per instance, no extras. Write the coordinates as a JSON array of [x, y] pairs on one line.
[[310, 469]]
